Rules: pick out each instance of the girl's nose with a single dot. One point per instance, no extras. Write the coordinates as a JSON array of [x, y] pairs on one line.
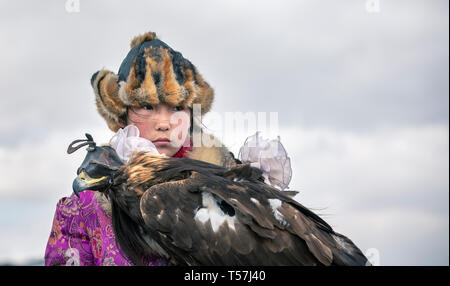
[[163, 118], [162, 125]]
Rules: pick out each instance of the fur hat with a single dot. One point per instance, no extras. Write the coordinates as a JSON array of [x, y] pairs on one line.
[[151, 73]]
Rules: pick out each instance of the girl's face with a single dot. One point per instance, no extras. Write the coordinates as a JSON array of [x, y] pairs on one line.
[[167, 127]]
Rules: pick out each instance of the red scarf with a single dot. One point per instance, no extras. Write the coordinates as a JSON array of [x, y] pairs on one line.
[[183, 151]]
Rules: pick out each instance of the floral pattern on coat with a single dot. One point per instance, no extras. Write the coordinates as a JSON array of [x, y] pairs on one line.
[[82, 234]]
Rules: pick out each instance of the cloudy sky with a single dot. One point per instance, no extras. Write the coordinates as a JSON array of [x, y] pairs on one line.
[[360, 87]]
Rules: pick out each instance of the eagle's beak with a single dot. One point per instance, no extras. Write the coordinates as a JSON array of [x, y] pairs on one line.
[[84, 182]]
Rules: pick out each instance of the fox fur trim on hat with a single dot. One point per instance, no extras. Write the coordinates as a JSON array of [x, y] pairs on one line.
[[151, 73]]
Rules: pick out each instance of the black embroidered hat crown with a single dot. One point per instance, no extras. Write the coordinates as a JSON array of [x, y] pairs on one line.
[[150, 74]]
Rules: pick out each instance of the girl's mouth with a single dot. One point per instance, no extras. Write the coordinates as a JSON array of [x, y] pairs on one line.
[[162, 142]]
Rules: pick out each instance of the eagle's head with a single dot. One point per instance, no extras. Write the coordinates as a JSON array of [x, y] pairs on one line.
[[97, 170]]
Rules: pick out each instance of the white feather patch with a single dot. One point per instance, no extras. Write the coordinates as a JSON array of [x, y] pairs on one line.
[[213, 213], [275, 204]]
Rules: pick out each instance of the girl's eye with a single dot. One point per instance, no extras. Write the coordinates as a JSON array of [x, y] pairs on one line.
[[148, 107], [178, 108]]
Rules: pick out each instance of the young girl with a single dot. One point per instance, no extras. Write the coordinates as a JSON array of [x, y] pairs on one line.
[[146, 104]]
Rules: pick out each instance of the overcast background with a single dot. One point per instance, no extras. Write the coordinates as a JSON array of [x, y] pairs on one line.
[[361, 91]]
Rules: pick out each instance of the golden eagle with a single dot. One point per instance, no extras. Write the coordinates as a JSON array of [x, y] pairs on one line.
[[197, 213]]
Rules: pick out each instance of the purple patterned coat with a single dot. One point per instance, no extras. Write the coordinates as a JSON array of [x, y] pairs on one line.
[[82, 234]]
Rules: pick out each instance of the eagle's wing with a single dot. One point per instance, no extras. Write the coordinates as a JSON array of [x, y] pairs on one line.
[[208, 219]]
